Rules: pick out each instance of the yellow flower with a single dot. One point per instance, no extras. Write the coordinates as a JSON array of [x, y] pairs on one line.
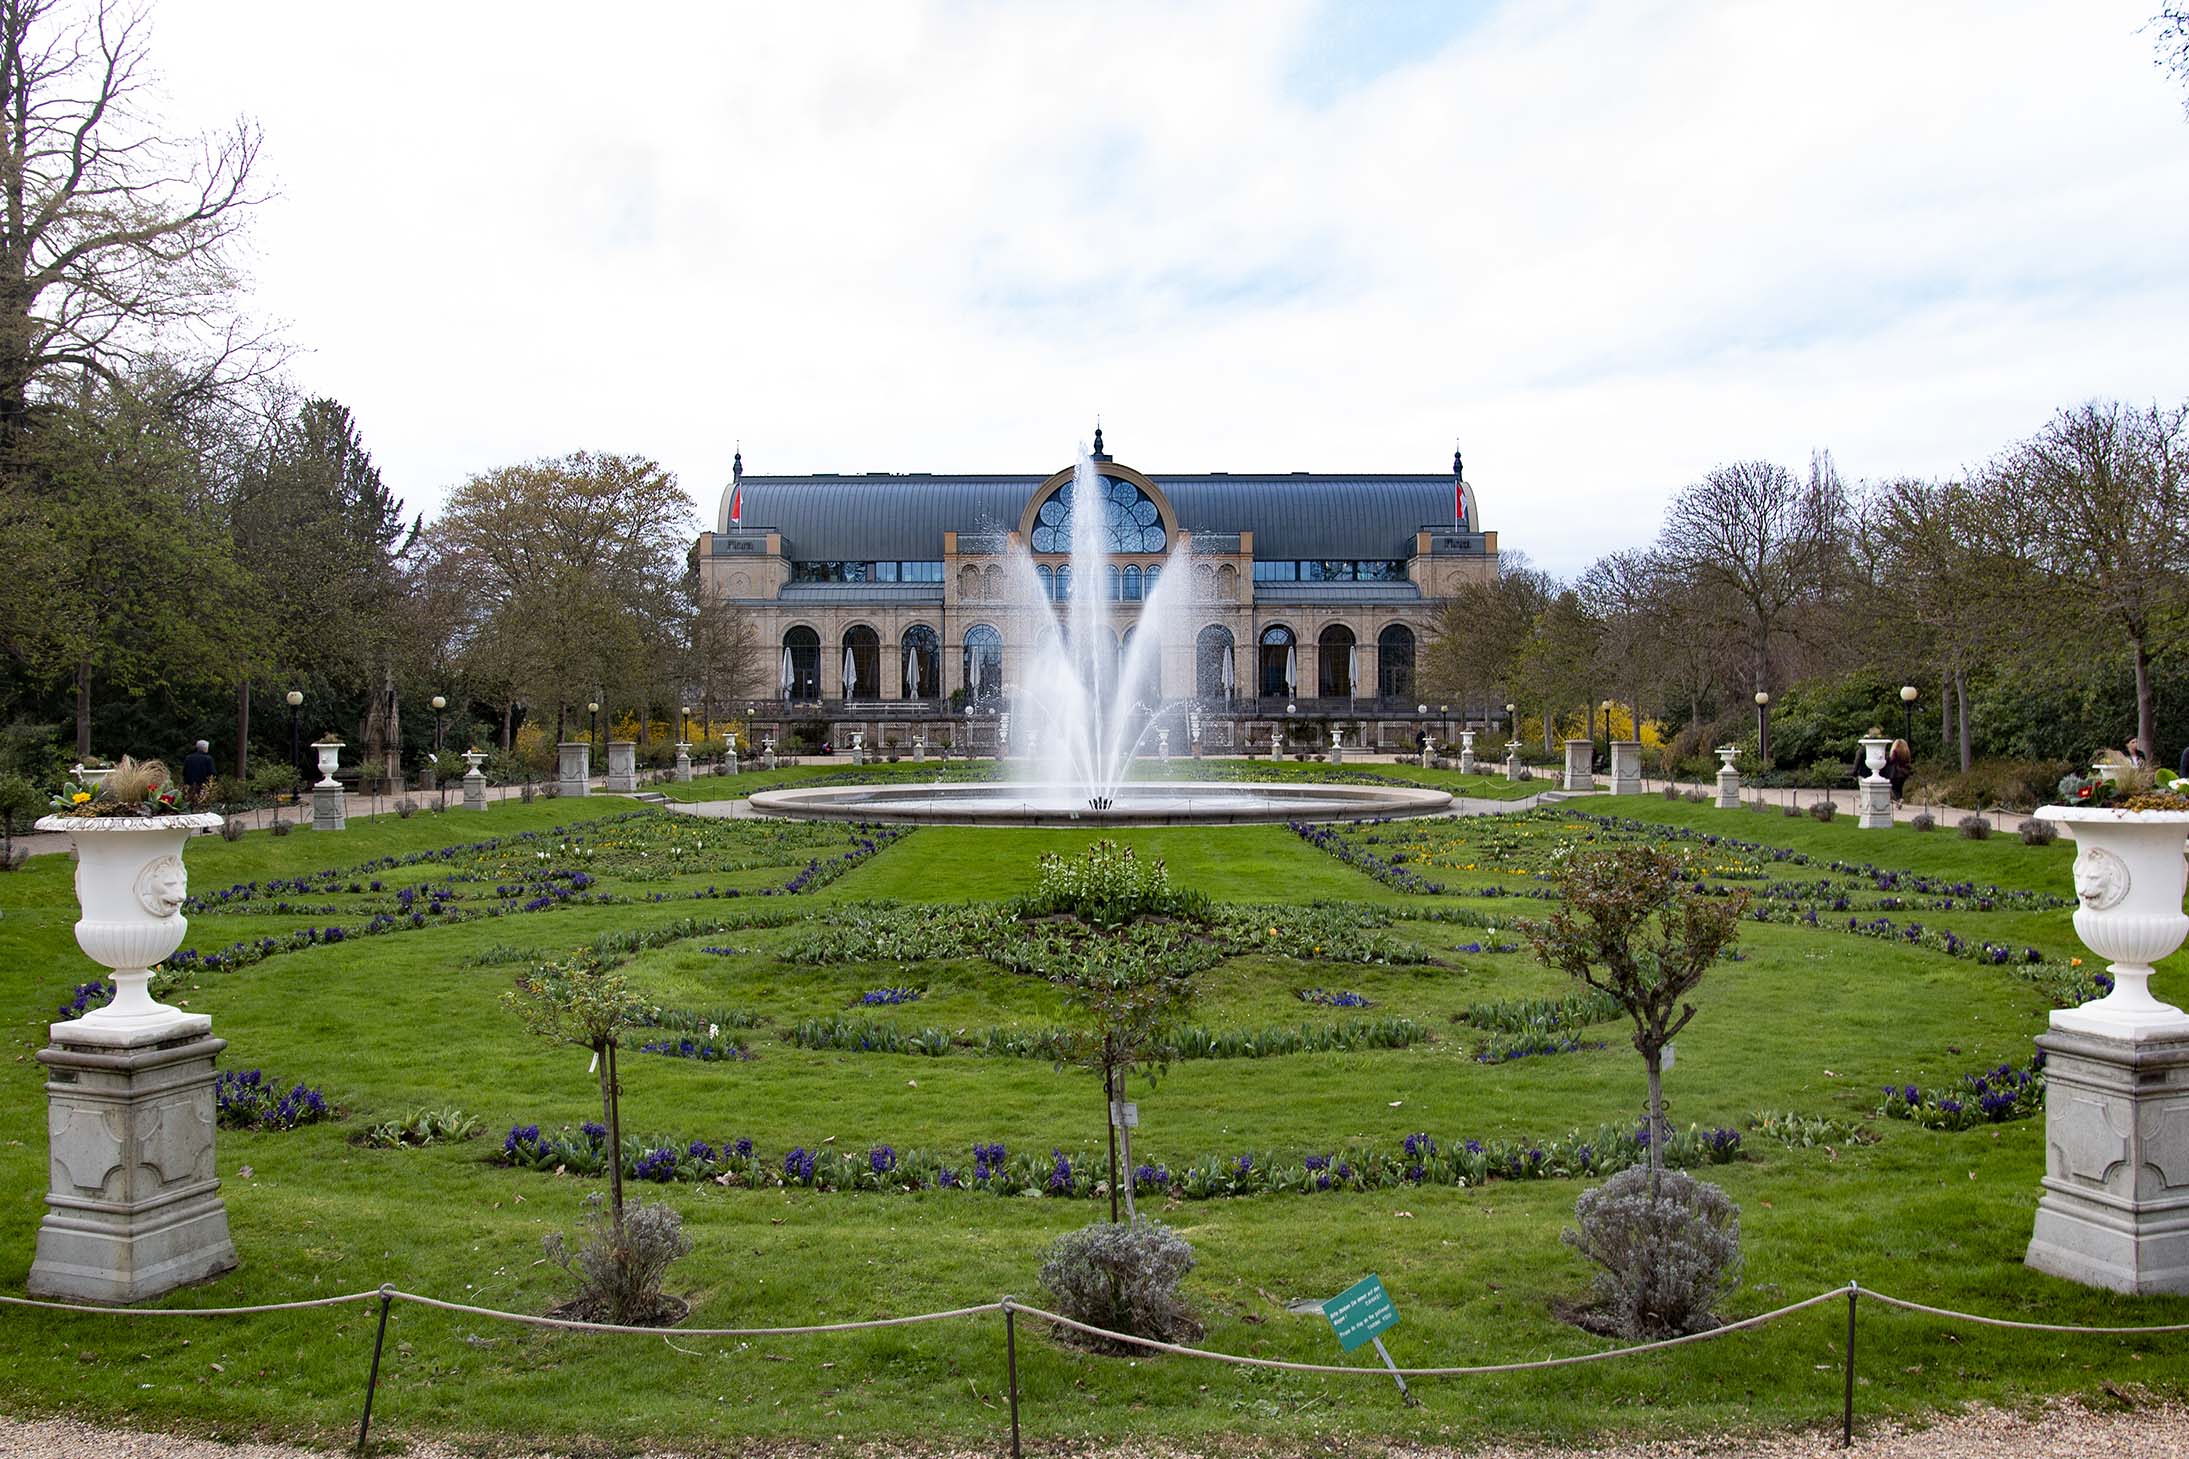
[[2074, 962], [80, 797]]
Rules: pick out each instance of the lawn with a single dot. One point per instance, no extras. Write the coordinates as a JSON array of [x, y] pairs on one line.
[[780, 929]]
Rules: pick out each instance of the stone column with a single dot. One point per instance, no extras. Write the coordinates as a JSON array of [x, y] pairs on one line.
[[329, 806], [133, 1204], [622, 767], [1729, 779], [474, 781], [1466, 752], [1579, 775], [2115, 1208], [576, 767], [683, 763], [1874, 792], [1626, 767]]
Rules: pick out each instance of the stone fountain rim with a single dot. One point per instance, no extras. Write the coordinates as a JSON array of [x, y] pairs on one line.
[[1325, 803]]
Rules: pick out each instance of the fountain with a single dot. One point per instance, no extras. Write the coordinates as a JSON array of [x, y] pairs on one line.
[[1087, 703]]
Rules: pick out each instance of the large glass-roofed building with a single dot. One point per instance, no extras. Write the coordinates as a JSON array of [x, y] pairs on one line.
[[898, 599]]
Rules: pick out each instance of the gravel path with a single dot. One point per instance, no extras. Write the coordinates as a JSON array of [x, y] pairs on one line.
[[2061, 1430]]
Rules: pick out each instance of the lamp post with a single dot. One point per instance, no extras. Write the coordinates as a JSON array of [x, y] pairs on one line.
[[439, 703], [592, 708], [295, 699], [684, 722], [1908, 695], [1763, 727], [1606, 708]]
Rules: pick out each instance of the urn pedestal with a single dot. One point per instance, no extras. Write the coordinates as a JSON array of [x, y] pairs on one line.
[[1578, 774], [858, 747], [474, 781], [574, 767], [330, 807], [2115, 1208], [1466, 752], [1729, 779], [767, 753], [1163, 745], [1873, 791], [1512, 760], [683, 763], [1337, 747], [622, 767], [1626, 767], [133, 1204]]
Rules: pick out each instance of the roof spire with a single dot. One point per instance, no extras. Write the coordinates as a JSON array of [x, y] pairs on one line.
[[737, 462], [1098, 439], [1457, 471]]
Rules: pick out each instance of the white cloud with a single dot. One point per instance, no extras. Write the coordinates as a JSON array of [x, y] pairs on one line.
[[1606, 244]]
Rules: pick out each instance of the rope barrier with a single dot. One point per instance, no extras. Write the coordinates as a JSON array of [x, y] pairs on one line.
[[1476, 1370], [572, 1325], [1949, 1313], [190, 1311]]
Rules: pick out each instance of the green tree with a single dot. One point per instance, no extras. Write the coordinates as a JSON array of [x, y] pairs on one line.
[[582, 1000], [1631, 925], [1131, 1010], [1482, 632]]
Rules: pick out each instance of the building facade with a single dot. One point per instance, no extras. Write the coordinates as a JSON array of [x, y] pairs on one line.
[[907, 603]]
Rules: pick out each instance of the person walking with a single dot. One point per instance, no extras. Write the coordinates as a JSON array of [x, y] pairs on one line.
[[197, 769], [1899, 765]]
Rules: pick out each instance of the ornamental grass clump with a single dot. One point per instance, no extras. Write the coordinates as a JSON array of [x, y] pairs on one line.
[[1121, 1276], [1667, 1249], [619, 1264], [132, 788]]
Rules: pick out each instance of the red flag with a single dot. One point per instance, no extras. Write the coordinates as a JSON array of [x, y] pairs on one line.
[[1459, 501], [737, 502]]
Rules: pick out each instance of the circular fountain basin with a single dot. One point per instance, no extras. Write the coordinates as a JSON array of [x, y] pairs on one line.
[[1160, 803]]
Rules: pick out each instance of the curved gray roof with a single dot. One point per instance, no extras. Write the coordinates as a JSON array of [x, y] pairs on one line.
[[883, 516]]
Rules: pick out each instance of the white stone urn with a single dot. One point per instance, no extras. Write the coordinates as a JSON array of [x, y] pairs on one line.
[[92, 776], [330, 758], [2129, 879], [1466, 742], [473, 759], [130, 885], [1163, 745], [1874, 751], [1727, 754]]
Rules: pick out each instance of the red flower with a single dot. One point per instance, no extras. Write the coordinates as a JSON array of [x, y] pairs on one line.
[[2083, 794]]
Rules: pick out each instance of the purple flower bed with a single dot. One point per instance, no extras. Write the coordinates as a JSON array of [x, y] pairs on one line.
[[246, 1101]]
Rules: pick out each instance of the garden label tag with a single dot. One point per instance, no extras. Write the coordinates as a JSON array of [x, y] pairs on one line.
[[1362, 1313], [1124, 1114]]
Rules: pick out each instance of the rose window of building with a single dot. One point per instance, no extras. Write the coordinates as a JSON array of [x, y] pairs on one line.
[[1130, 521]]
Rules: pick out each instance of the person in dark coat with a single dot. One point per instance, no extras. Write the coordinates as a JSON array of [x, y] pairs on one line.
[[197, 769]]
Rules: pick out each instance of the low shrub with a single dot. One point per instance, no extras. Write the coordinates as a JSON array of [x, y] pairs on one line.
[[281, 827], [419, 1128], [406, 808], [2039, 833], [1923, 821], [619, 1273], [1693, 797], [1122, 1276], [231, 828], [1671, 792], [1975, 828], [1791, 811], [1824, 810], [1662, 1262]]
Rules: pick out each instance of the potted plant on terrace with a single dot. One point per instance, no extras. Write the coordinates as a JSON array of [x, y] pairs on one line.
[[129, 831], [2130, 830]]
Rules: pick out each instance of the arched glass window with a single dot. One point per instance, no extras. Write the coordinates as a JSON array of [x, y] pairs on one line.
[[1395, 662], [1132, 584], [800, 674], [1116, 579], [1147, 673], [983, 662], [1334, 662], [1215, 672], [922, 651], [1063, 583], [1130, 522], [1279, 663], [1048, 580], [862, 666], [1152, 574]]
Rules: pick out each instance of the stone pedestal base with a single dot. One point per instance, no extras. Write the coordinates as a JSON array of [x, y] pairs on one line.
[[684, 769], [1874, 796], [767, 761], [133, 1203], [1337, 754], [474, 792], [330, 808], [1512, 767], [919, 752], [1729, 789], [2115, 1209], [1466, 762], [622, 776], [1626, 767], [1579, 775]]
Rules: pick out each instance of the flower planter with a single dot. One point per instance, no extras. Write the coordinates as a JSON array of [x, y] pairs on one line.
[[2129, 879], [1874, 791], [1729, 778], [130, 886]]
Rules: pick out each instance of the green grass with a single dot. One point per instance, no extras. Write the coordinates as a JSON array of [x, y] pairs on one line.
[[1809, 1020]]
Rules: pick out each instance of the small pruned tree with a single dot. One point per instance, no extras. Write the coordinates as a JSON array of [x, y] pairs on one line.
[[583, 1000], [1131, 1010], [1632, 926]]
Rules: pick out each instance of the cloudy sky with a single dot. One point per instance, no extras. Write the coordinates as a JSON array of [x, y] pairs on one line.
[[1604, 245]]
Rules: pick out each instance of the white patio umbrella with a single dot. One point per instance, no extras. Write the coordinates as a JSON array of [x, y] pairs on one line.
[[851, 673], [1292, 670], [787, 677], [911, 672], [1231, 674], [1352, 671]]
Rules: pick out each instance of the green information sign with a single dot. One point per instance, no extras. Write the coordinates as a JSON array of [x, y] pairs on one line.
[[1361, 1313]]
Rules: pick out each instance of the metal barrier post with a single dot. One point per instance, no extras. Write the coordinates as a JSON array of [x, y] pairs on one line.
[[1847, 1410], [372, 1381], [1010, 1360]]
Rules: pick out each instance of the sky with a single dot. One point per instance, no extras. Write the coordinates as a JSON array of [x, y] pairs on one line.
[[1601, 246]]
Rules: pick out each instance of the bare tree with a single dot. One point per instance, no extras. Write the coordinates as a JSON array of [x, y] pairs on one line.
[[1482, 631], [1766, 540], [113, 239]]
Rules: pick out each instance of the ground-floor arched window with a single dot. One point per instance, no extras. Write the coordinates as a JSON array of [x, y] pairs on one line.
[[862, 663], [1215, 673], [800, 676], [1279, 662], [1395, 662], [1334, 662], [983, 666], [922, 662]]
